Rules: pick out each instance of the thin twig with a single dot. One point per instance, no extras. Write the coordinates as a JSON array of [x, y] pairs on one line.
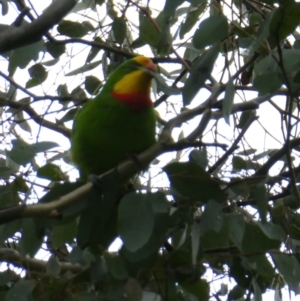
[[233, 146]]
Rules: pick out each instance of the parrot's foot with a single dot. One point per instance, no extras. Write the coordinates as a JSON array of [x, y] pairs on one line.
[[136, 160], [97, 183], [105, 184]]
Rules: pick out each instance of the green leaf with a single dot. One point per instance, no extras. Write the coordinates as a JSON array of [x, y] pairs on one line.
[[223, 291], [92, 84], [149, 251], [228, 100], [170, 8], [8, 276], [290, 58], [9, 195], [137, 43], [236, 293], [163, 86], [38, 75], [191, 53], [23, 153], [20, 184], [21, 57], [285, 20], [159, 203], [264, 154], [99, 2], [78, 92], [84, 68], [64, 233], [55, 50], [38, 71], [43, 146], [272, 231], [296, 44], [53, 267], [199, 157], [257, 291], [266, 65], [267, 83], [244, 118], [237, 227], [119, 29], [198, 288], [165, 41], [94, 50], [22, 123], [218, 237], [212, 217], [4, 5], [70, 115], [51, 172], [116, 266], [259, 194], [211, 30], [33, 82], [9, 229], [238, 163], [255, 240], [194, 182], [20, 291], [74, 29], [247, 152], [191, 19], [97, 269], [58, 190], [5, 172], [133, 290], [148, 32], [196, 230], [289, 268], [82, 5], [200, 71], [262, 265], [51, 62], [135, 220], [32, 237], [62, 90], [77, 256]]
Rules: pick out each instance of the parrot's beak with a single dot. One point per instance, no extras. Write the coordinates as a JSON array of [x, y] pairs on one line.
[[151, 66]]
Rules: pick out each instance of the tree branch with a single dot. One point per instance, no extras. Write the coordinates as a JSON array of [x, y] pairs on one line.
[[263, 170], [35, 265], [125, 170], [15, 37], [36, 117], [234, 145]]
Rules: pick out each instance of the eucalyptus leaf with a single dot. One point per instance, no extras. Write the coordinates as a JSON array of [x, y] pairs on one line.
[[84, 68], [228, 100], [200, 72], [135, 220], [211, 31], [119, 29]]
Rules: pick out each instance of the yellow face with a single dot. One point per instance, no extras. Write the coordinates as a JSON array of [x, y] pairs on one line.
[[138, 81], [146, 62]]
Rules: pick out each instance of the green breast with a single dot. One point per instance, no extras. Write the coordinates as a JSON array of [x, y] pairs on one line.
[[105, 133]]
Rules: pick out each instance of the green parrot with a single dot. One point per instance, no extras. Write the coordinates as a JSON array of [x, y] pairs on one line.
[[118, 122]]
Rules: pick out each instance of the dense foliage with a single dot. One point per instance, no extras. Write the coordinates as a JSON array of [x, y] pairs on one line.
[[216, 214]]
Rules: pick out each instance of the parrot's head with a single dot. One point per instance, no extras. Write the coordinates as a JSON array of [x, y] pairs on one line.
[[130, 82]]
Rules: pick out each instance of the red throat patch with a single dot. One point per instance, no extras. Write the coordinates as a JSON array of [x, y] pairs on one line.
[[135, 101]]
